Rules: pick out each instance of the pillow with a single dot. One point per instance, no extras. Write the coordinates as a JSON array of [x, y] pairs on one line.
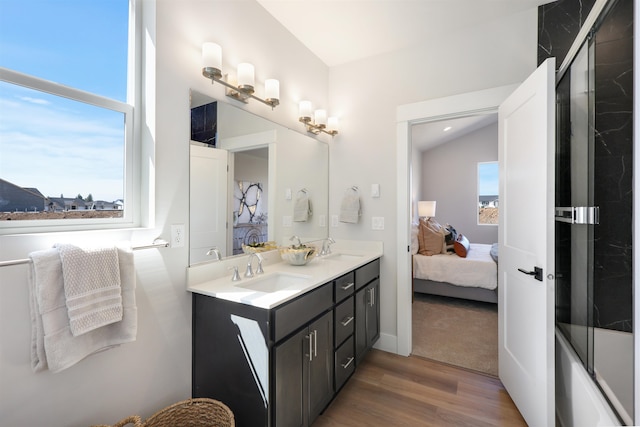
[[430, 241], [452, 234], [461, 246], [415, 244], [436, 227]]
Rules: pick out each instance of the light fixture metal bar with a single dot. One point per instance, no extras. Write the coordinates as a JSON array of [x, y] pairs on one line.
[[239, 95], [316, 129]]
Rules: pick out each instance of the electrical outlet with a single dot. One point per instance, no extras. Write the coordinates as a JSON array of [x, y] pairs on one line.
[[322, 221], [177, 235], [287, 221], [377, 223], [334, 220]]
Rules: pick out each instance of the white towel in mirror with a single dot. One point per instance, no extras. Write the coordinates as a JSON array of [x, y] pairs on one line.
[[302, 207]]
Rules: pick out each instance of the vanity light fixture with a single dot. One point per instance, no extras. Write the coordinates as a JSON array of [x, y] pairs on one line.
[[212, 69], [320, 122]]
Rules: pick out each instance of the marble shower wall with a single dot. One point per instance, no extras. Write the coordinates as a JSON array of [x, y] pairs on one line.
[[559, 23]]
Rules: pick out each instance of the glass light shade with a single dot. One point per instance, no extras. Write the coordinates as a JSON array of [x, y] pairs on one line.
[[246, 76], [305, 110], [427, 209], [320, 117], [332, 123], [211, 56], [272, 89]]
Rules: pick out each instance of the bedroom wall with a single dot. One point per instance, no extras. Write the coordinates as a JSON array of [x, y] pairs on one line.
[[449, 176]]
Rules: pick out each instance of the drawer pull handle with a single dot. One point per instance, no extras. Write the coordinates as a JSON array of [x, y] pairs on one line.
[[346, 365], [346, 321], [347, 286]]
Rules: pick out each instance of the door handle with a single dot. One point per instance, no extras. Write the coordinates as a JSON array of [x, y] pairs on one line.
[[536, 273]]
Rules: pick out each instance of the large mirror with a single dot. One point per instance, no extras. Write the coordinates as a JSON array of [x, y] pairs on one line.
[[251, 181]]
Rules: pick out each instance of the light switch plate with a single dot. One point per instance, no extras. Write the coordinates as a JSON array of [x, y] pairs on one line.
[[375, 190], [287, 194]]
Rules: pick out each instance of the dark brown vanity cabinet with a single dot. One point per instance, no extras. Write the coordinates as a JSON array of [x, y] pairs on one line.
[[281, 367]]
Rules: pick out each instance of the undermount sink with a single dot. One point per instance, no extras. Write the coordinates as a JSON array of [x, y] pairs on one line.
[[274, 282], [342, 257]]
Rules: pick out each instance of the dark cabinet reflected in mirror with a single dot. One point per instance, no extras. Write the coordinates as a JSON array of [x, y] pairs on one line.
[[246, 174]]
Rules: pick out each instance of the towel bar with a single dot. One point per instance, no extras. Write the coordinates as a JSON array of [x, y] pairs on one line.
[[158, 243]]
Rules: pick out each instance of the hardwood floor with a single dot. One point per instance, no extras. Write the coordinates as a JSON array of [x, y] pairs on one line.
[[392, 390]]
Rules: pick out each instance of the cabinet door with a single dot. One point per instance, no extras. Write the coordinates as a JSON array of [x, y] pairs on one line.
[[367, 318], [291, 366], [320, 365], [373, 313]]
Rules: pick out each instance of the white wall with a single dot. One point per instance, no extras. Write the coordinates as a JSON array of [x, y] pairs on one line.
[[144, 376], [365, 94], [450, 176]]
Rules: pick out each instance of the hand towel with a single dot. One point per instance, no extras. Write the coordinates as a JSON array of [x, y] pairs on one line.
[[52, 344], [91, 286], [350, 207], [302, 207]]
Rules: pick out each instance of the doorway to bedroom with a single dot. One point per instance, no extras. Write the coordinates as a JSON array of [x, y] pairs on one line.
[[454, 308]]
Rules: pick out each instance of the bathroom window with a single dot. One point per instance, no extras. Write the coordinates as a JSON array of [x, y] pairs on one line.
[[487, 203], [66, 121]]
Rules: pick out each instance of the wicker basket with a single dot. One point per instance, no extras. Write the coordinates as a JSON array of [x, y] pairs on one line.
[[135, 420], [193, 412]]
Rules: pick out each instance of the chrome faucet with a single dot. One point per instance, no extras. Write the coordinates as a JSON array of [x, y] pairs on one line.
[[215, 251], [249, 272], [326, 246]]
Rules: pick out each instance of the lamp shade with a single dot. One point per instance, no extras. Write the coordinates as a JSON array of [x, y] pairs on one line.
[[427, 209], [211, 59], [320, 117], [305, 110], [246, 76], [272, 89], [332, 123]]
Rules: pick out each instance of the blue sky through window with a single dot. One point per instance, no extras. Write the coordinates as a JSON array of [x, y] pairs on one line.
[[51, 143], [488, 179]]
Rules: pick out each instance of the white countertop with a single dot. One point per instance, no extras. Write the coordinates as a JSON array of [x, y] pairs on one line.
[[280, 282]]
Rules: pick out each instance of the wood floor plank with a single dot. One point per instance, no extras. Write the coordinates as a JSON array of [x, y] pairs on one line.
[[392, 390]]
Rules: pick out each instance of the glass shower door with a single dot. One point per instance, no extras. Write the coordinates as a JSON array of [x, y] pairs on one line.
[[575, 211]]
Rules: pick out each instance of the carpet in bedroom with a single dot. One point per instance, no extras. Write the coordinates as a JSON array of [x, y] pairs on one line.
[[456, 331]]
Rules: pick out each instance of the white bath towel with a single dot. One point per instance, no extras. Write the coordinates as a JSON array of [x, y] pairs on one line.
[[350, 207], [91, 286], [302, 207], [52, 344]]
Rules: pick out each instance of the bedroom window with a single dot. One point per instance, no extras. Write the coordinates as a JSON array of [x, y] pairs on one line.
[[66, 121], [488, 206]]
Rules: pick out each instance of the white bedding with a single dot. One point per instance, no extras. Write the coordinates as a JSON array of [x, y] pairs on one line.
[[478, 269]]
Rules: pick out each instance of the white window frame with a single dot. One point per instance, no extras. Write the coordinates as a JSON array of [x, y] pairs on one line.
[[479, 165], [132, 141]]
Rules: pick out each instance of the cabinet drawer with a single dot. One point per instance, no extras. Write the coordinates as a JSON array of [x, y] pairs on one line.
[[344, 320], [367, 273], [345, 362], [344, 286], [292, 315]]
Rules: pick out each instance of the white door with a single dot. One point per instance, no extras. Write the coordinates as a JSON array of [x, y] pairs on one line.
[[526, 303], [208, 202]]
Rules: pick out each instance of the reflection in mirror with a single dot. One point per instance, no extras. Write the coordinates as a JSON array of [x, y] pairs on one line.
[[276, 185]]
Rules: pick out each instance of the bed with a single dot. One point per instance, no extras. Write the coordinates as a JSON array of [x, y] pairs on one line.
[[474, 277]]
